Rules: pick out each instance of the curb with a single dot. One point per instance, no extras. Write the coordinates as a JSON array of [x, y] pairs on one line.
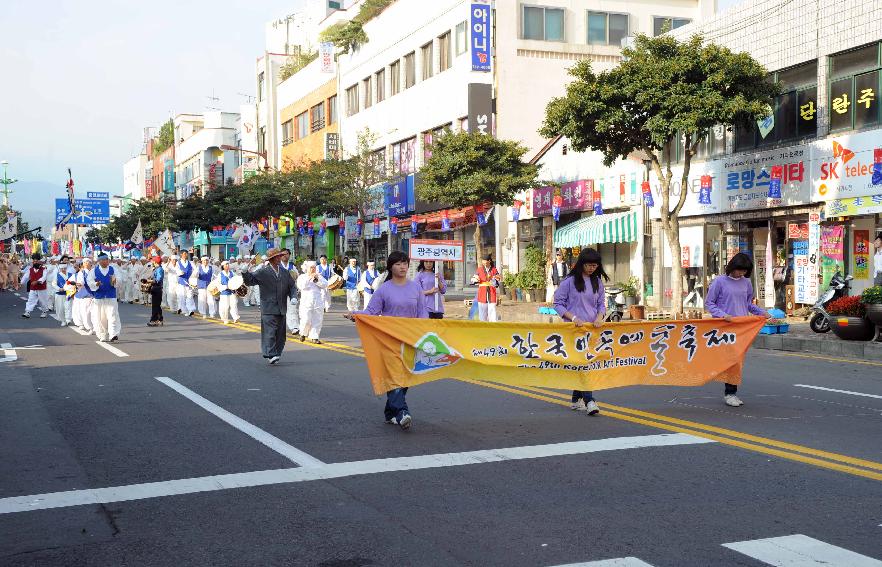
[[868, 350]]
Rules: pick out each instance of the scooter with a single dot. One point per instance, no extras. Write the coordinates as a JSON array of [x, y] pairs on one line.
[[615, 305], [820, 319]]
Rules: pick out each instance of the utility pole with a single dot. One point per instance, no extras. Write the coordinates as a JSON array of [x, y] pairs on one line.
[[6, 183]]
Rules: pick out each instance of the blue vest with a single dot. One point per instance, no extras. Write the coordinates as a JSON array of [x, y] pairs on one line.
[[105, 290], [60, 282], [224, 280], [352, 277], [83, 292], [185, 279], [325, 271], [370, 281], [204, 277]]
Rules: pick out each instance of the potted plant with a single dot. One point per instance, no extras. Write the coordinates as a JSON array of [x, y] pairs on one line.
[[848, 319], [629, 290], [508, 283], [519, 286], [534, 273], [872, 300]]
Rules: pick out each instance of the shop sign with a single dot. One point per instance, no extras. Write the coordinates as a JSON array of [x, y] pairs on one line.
[[691, 207], [447, 250], [797, 231], [861, 254], [396, 198], [480, 36], [843, 166], [746, 179], [853, 206], [574, 197], [759, 259], [684, 257], [832, 259], [801, 270]]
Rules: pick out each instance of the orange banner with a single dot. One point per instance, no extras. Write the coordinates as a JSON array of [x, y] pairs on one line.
[[406, 352]]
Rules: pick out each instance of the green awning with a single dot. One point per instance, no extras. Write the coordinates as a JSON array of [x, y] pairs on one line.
[[598, 229]]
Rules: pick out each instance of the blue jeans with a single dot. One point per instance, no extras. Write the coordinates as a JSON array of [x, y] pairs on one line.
[[586, 395], [730, 389], [396, 405]]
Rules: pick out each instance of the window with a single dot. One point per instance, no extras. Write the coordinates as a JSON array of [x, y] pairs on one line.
[[431, 136], [661, 25], [366, 92], [607, 29], [444, 52], [426, 61], [317, 117], [332, 110], [287, 132], [404, 157], [409, 70], [380, 81], [854, 88], [352, 100], [542, 23], [302, 125], [713, 144], [378, 162], [395, 78], [461, 37], [260, 82]]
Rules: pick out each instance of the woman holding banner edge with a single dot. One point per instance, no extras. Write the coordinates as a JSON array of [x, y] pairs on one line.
[[732, 296], [583, 304]]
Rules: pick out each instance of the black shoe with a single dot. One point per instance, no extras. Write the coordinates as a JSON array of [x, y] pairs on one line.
[[114, 339], [302, 337], [179, 311], [26, 315]]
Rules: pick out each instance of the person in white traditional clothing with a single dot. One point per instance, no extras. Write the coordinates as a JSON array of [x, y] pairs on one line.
[[65, 275], [105, 309], [122, 275], [229, 301], [245, 266], [133, 291], [326, 270], [169, 286], [292, 317], [368, 278], [205, 273], [183, 269], [351, 279], [145, 271], [253, 297], [83, 298], [38, 294], [312, 286]]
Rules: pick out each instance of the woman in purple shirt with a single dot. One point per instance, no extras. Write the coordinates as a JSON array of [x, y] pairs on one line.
[[732, 296], [434, 287], [396, 297], [580, 303]]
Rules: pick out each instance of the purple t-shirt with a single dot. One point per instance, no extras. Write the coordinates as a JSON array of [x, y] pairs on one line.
[[728, 296], [585, 305], [426, 280], [394, 300]]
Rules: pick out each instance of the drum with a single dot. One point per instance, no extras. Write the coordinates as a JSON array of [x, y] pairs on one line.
[[336, 282], [214, 288], [194, 280], [235, 283]]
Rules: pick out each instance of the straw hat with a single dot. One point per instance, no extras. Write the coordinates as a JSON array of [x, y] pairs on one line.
[[272, 253]]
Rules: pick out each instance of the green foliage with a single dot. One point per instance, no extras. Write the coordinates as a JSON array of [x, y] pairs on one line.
[[508, 279], [469, 169], [872, 295], [297, 62], [166, 138], [350, 35], [630, 287], [155, 216], [533, 274]]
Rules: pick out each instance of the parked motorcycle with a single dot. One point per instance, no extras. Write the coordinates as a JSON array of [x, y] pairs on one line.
[[615, 304], [820, 319]]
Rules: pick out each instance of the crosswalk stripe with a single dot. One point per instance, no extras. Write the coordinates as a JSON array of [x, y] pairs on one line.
[[618, 562], [801, 551]]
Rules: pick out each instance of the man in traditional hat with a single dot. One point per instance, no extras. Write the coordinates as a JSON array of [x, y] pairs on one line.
[[277, 288]]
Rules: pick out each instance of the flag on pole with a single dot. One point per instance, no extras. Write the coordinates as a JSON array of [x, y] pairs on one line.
[[166, 243], [138, 235], [10, 227]]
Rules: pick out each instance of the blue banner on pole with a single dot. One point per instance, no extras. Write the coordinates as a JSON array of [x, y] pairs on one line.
[[480, 37]]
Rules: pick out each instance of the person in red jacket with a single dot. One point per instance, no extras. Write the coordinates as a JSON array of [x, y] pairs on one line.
[[38, 294], [487, 279]]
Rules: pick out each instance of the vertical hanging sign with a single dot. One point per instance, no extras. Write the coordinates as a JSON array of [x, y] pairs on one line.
[[775, 182], [480, 36], [704, 195], [647, 194]]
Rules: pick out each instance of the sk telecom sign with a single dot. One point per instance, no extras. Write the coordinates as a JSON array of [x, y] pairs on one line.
[[479, 20]]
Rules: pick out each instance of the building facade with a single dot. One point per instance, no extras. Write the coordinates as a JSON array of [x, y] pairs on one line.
[[309, 116], [206, 153]]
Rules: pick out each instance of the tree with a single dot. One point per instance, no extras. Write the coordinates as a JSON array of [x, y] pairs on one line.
[[166, 138], [471, 169], [297, 62], [203, 212], [665, 92]]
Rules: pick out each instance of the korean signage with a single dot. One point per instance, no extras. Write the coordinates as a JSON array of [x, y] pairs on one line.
[[89, 211], [844, 166], [326, 57], [831, 252], [479, 20], [332, 145], [480, 108], [447, 250], [861, 270], [801, 270], [396, 200], [169, 174], [692, 206], [97, 195], [797, 231], [574, 195], [746, 179], [814, 245]]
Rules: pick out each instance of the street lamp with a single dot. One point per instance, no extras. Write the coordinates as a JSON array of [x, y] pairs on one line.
[[6, 183]]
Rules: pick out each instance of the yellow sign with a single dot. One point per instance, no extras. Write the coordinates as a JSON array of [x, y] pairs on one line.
[[406, 352], [853, 206]]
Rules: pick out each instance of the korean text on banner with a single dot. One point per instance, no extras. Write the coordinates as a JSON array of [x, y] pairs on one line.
[[832, 258], [480, 36], [444, 250], [406, 352], [861, 254]]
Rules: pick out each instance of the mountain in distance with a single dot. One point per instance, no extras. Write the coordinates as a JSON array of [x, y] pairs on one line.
[[36, 201]]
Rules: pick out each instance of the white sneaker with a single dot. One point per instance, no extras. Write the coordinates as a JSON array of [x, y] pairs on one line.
[[406, 422], [591, 408], [393, 421], [274, 360], [733, 400], [578, 405], [43, 315], [64, 323]]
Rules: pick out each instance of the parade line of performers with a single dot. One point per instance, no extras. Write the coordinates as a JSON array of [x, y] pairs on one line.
[[296, 299]]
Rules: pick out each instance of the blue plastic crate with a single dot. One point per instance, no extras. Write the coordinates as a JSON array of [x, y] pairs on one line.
[[782, 329], [770, 329]]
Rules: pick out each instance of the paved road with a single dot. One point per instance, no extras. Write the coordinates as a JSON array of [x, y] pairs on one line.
[[190, 450]]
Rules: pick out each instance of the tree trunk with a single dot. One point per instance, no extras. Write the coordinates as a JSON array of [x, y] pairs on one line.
[[672, 231], [479, 247]]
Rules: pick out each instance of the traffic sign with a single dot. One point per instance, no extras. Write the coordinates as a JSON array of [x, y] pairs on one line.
[[89, 212]]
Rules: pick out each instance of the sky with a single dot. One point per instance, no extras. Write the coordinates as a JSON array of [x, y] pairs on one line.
[[81, 79]]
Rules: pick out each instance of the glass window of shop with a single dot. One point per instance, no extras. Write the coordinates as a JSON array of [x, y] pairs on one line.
[[702, 258], [854, 88], [529, 233]]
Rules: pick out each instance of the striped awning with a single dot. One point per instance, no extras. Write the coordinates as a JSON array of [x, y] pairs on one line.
[[613, 227]]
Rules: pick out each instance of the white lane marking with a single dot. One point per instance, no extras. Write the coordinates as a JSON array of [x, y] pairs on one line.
[[618, 562], [801, 551], [112, 349], [849, 392], [9, 354], [332, 470], [292, 453]]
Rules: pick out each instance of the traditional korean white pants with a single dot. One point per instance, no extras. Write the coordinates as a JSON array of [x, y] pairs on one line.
[[367, 299], [487, 312], [63, 309], [105, 318], [82, 312], [292, 318], [229, 308], [352, 299], [185, 299], [36, 297], [311, 319], [207, 304]]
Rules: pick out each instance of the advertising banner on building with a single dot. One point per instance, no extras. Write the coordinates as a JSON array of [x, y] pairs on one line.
[[746, 178], [801, 270], [326, 57], [814, 265], [407, 352], [692, 206], [832, 259], [843, 166], [480, 97], [574, 197], [861, 254], [396, 200], [479, 28], [169, 176]]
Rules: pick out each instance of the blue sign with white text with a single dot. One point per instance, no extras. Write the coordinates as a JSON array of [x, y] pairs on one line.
[[480, 37], [97, 195], [89, 211], [396, 198]]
